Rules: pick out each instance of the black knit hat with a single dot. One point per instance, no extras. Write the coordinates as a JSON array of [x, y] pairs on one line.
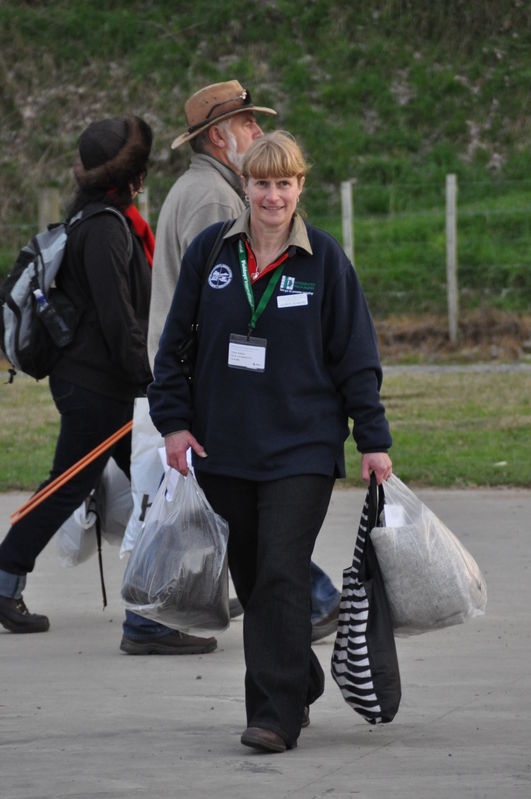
[[113, 152]]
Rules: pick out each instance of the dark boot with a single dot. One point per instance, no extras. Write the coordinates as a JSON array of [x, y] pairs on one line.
[[265, 740], [174, 643], [16, 618]]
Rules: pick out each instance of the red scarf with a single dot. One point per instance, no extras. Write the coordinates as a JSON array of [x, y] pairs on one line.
[[142, 230]]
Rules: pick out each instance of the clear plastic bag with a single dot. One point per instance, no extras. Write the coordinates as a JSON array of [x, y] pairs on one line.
[[430, 578], [177, 573]]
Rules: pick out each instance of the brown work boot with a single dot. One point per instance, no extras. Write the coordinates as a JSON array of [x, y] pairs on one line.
[[174, 643], [265, 740], [16, 618]]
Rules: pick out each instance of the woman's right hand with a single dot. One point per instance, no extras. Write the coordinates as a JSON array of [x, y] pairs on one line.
[[176, 445]]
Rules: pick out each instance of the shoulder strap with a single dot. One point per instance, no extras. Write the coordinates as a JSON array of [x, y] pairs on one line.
[[85, 214], [209, 263], [214, 252]]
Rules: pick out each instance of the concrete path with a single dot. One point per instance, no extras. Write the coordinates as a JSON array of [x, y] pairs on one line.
[[80, 720]]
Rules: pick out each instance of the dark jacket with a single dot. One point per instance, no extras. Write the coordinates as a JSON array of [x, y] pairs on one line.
[[108, 354], [322, 366]]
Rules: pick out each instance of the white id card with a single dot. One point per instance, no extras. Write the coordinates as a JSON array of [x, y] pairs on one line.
[[292, 300], [247, 353]]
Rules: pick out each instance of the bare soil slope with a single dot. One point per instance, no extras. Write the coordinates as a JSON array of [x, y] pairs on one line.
[[483, 335]]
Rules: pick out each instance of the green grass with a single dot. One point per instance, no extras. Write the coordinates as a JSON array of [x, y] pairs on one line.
[[400, 247], [393, 93], [400, 255], [458, 429], [449, 429], [28, 432]]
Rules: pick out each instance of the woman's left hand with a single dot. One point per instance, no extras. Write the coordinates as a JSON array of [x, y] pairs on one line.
[[377, 462]]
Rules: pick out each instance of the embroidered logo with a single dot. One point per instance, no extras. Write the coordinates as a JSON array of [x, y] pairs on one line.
[[287, 283], [292, 286], [220, 276]]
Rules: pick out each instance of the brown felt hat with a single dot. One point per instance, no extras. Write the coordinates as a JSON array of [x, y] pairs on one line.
[[214, 103]]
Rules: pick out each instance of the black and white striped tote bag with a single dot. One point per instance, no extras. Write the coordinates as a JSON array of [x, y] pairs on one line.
[[364, 659]]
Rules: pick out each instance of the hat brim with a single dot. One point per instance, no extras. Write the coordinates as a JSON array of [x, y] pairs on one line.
[[186, 136]]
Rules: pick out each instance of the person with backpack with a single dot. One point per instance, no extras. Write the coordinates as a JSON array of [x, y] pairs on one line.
[[106, 275]]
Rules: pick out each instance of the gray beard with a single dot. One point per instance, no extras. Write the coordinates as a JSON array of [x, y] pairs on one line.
[[233, 155]]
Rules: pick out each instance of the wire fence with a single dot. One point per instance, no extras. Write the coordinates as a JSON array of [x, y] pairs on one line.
[[400, 244]]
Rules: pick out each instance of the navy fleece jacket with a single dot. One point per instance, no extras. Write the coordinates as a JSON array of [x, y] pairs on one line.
[[322, 365]]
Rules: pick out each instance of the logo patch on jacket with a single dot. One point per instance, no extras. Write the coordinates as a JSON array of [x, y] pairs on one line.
[[220, 276], [292, 286]]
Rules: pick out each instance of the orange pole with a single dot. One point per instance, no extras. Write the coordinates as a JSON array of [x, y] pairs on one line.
[[67, 475]]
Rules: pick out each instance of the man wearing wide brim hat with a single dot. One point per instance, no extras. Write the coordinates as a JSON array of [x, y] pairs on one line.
[[213, 104]]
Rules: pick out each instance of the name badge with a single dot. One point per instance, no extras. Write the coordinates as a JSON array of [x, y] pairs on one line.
[[247, 353], [292, 300]]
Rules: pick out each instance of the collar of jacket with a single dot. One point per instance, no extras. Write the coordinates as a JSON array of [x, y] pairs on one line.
[[225, 171], [298, 235]]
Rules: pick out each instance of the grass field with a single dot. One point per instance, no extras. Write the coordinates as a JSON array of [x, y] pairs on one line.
[[449, 428], [458, 428]]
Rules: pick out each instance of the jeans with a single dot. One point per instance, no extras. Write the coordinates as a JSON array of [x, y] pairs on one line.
[[138, 628], [12, 585], [87, 419], [325, 595], [273, 527]]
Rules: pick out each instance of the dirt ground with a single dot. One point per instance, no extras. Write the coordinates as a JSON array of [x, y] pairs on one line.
[[483, 336]]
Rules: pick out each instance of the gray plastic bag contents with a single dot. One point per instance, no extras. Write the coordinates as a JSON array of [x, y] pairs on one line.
[[177, 573], [431, 580]]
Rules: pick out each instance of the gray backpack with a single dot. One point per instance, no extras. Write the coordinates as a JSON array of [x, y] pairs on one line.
[[37, 320]]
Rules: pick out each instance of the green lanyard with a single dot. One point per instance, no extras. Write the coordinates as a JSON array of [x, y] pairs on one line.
[[266, 296]]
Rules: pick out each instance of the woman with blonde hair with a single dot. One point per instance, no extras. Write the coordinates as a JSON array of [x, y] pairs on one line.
[[286, 354]]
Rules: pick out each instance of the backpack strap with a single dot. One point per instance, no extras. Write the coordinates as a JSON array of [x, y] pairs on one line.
[[87, 213]]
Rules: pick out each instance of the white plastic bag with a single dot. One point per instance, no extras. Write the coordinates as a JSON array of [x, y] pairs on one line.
[[75, 540], [114, 503], [111, 503], [177, 573], [146, 471], [431, 579]]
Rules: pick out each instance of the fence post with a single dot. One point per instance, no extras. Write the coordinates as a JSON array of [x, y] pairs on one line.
[[143, 203], [451, 256], [49, 209], [347, 216]]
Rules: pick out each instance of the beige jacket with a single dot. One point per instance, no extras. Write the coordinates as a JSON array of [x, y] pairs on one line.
[[207, 192]]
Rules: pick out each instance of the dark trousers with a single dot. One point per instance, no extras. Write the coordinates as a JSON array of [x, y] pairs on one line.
[[273, 526], [87, 419]]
